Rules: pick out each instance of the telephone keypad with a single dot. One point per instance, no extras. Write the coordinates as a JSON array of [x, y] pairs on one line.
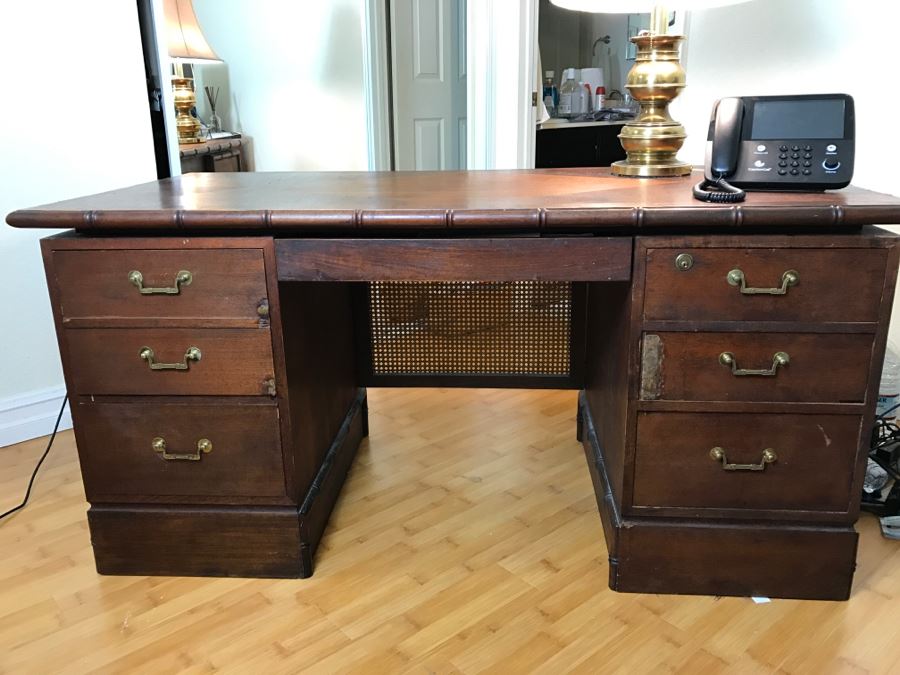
[[797, 163]]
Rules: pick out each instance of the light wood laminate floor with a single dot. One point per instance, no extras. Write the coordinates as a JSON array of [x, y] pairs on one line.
[[466, 540]]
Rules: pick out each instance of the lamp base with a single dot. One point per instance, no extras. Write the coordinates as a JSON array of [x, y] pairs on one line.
[[654, 138], [655, 170], [187, 125]]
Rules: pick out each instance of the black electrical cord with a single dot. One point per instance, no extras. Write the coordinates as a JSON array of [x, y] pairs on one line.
[[884, 434], [40, 461]]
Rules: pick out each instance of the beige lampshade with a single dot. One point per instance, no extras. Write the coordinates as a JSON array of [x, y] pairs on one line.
[[186, 41], [639, 6]]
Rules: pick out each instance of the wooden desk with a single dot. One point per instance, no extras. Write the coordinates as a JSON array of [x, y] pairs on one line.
[[220, 154], [218, 332]]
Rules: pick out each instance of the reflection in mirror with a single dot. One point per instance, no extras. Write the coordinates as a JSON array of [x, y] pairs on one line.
[[290, 85], [292, 90]]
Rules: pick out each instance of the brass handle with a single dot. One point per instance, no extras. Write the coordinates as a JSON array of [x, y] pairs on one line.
[[779, 359], [191, 354], [183, 278], [768, 456], [789, 278], [159, 445]]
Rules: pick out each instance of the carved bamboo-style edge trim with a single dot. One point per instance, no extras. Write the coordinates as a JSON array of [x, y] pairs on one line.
[[538, 220]]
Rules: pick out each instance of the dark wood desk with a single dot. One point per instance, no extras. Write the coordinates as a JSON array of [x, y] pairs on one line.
[[220, 154], [217, 334]]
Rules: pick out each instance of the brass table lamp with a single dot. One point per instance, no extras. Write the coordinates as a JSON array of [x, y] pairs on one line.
[[651, 141], [186, 45]]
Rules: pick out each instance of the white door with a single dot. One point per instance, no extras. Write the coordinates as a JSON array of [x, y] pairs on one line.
[[428, 68]]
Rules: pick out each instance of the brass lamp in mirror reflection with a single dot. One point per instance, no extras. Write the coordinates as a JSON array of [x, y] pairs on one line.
[[652, 141], [186, 45]]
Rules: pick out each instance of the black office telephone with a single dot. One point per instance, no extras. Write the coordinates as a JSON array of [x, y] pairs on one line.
[[796, 143]]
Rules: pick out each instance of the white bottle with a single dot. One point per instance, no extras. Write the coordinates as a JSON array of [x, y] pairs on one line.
[[567, 94], [889, 388], [584, 99]]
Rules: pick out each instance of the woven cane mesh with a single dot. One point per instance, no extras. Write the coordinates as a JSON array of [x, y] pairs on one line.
[[470, 328]]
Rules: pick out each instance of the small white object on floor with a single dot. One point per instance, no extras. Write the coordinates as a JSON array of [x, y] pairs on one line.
[[759, 600]]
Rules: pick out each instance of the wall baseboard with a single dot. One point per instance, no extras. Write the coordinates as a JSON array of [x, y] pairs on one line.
[[31, 415]]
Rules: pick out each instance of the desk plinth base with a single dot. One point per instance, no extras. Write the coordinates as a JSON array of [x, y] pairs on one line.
[[227, 541], [707, 557]]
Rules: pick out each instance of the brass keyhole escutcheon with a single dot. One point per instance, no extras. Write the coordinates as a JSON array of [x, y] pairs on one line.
[[684, 261]]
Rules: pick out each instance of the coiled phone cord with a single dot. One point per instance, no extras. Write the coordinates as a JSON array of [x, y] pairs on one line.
[[725, 192]]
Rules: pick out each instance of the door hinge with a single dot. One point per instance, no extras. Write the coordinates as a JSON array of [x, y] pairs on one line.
[[534, 99]]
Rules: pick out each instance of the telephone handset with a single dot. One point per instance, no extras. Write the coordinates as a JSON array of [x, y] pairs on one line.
[[722, 153], [798, 143]]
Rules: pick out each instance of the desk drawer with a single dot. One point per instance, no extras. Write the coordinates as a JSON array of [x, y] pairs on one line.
[[121, 463], [809, 367], [812, 468], [839, 285], [230, 362], [97, 287]]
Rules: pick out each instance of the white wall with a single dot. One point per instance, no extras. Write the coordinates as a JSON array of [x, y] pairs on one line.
[[74, 120], [797, 47], [800, 47], [292, 80]]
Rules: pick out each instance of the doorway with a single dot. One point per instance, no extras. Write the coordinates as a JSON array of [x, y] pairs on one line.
[[428, 84]]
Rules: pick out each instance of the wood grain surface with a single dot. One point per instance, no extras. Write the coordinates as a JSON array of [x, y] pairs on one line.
[[836, 285], [233, 362], [466, 540], [511, 259], [120, 464], [812, 472], [227, 287], [827, 368], [693, 554], [529, 200]]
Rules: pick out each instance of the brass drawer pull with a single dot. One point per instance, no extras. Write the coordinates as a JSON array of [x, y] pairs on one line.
[[191, 354], [159, 445], [768, 456], [779, 359], [789, 278], [183, 278]]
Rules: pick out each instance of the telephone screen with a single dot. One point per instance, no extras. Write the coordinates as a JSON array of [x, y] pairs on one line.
[[812, 118]]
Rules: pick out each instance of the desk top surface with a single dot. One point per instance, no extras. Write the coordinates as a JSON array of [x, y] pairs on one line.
[[526, 201]]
